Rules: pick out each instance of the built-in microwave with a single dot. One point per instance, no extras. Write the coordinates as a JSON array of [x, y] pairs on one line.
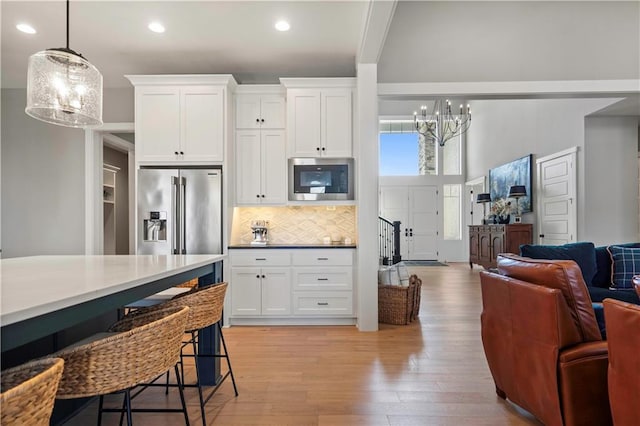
[[312, 179]]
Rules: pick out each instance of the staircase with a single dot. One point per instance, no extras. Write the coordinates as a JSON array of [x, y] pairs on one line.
[[389, 241]]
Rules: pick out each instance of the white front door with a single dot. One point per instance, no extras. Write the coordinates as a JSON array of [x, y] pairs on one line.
[[416, 207], [423, 220], [556, 195]]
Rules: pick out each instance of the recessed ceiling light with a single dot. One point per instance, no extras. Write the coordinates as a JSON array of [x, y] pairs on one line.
[[282, 26], [156, 27], [26, 28]]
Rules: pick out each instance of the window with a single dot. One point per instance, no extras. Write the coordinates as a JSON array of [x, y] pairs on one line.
[[398, 154], [451, 158], [452, 211], [403, 152]]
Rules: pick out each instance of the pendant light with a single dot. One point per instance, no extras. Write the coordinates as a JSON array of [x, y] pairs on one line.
[[64, 88]]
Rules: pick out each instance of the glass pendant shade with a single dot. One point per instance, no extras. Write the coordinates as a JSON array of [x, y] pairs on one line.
[[64, 88]]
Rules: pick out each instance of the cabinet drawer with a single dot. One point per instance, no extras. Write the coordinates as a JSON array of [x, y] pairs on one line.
[[322, 303], [339, 278], [260, 258], [331, 257]]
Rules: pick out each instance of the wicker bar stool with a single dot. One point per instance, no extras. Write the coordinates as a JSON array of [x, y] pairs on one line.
[[28, 392], [205, 309], [117, 363]]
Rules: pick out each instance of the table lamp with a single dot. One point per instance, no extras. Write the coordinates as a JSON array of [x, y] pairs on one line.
[[517, 191], [483, 199]]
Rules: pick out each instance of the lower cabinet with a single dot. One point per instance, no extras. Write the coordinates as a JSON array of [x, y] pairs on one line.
[[294, 286], [260, 291], [486, 242]]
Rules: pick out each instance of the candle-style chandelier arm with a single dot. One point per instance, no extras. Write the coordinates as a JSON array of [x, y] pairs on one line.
[[442, 125]]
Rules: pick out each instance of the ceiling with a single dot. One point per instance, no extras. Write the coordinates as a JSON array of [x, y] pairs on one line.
[[212, 37]]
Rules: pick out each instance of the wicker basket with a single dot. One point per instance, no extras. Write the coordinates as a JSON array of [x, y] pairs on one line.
[[397, 304], [28, 392]]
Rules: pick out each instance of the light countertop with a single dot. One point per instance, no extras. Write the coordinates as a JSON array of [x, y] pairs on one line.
[[293, 246], [32, 286]]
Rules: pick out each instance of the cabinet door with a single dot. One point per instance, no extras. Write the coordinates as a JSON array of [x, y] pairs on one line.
[[303, 122], [273, 167], [245, 291], [247, 112], [202, 118], [272, 112], [157, 123], [485, 252], [474, 244], [276, 291], [336, 117], [248, 166]]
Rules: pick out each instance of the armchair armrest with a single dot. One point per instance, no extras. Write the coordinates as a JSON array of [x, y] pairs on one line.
[[581, 367], [584, 351]]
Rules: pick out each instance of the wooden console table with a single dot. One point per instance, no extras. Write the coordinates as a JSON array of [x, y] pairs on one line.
[[487, 241]]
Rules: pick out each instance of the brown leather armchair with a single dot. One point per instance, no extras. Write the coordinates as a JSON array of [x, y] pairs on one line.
[[623, 338], [542, 342]]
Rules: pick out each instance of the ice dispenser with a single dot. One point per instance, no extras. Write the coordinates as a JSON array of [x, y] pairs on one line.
[[155, 227]]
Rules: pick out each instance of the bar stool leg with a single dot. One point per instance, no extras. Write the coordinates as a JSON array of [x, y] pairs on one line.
[[198, 384], [226, 355], [127, 396], [101, 401], [181, 391]]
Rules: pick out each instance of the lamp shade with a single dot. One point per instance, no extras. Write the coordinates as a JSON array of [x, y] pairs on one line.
[[483, 198], [517, 191], [64, 88]]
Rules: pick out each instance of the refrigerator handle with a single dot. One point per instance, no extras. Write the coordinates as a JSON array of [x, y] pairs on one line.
[[183, 212], [175, 236]]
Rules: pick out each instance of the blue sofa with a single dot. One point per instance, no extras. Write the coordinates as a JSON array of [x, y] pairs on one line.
[[594, 262]]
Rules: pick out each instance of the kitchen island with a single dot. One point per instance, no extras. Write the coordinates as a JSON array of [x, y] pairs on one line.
[[42, 295]]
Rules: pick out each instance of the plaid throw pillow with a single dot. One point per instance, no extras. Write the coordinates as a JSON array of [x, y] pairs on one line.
[[625, 264]]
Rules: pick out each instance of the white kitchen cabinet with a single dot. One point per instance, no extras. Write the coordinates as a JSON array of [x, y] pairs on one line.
[[180, 119], [261, 167], [260, 291], [323, 282], [260, 111], [291, 286], [260, 283], [319, 117]]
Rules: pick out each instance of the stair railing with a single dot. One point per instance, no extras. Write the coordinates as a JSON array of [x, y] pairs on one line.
[[389, 241]]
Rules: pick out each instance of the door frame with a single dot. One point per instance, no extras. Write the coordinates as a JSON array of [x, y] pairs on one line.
[[570, 152], [93, 214]]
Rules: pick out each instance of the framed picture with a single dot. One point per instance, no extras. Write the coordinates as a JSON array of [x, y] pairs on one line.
[[501, 178]]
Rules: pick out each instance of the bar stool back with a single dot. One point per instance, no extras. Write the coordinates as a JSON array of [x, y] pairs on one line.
[[117, 363], [28, 392]]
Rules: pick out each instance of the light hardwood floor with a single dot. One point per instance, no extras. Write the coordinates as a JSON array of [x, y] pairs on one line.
[[431, 372]]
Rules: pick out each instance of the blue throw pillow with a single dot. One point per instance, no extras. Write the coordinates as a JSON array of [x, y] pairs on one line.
[[603, 263], [625, 264], [584, 254]]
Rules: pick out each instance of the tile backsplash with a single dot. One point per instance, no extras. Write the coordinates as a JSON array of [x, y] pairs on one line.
[[296, 224]]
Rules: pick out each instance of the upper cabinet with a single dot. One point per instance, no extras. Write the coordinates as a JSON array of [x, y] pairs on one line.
[[181, 119], [319, 116], [260, 111]]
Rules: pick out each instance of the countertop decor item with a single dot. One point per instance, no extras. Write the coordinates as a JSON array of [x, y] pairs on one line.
[[442, 125], [64, 88], [516, 173], [483, 199]]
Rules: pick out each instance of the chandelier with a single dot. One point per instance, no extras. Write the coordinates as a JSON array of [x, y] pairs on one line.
[[442, 124], [64, 88]]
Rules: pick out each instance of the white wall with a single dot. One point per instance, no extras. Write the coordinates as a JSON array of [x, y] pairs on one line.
[[42, 183], [611, 163], [453, 41], [504, 130], [43, 177]]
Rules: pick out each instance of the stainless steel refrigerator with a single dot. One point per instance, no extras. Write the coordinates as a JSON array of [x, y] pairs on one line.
[[179, 210]]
